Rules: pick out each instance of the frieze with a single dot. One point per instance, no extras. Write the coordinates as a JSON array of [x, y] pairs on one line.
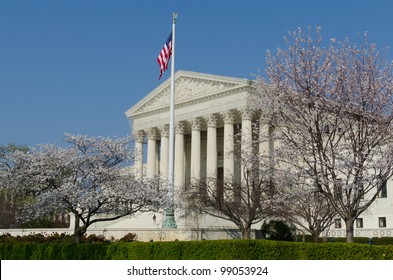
[[219, 102]]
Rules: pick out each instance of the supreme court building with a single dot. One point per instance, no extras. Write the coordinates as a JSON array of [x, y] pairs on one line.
[[209, 111]]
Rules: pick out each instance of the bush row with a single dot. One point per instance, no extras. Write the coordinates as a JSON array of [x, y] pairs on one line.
[[360, 240], [196, 250], [131, 237], [62, 238]]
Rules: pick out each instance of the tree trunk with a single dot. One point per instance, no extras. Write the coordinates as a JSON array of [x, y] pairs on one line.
[[78, 230], [315, 234], [246, 232], [77, 237], [349, 230], [197, 222]]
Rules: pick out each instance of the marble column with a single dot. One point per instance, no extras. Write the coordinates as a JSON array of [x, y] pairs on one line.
[[246, 148], [266, 150], [264, 141], [211, 157], [229, 163], [179, 175], [196, 150], [138, 161], [164, 152], [151, 152]]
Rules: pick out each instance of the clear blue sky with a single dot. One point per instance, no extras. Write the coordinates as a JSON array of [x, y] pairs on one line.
[[77, 65]]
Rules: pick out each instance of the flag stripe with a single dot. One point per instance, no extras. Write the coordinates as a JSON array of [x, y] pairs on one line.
[[165, 54]]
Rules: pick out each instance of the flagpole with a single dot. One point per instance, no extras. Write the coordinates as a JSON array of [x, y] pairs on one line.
[[170, 211]]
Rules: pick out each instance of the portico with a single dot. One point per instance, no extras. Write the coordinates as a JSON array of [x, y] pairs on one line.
[[210, 110]]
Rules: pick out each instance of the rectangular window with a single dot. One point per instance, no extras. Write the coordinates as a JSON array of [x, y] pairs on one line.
[[382, 221], [359, 222], [337, 223], [384, 190]]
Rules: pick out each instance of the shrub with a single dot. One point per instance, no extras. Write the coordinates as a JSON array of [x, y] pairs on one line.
[[92, 238], [278, 230], [196, 250], [129, 237]]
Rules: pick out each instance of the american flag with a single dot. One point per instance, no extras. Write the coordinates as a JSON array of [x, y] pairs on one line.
[[165, 54]]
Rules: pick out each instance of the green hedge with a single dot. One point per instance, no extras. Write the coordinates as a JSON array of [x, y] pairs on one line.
[[196, 250], [361, 240]]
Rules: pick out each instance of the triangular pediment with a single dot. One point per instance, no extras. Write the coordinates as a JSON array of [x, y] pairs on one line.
[[189, 87]]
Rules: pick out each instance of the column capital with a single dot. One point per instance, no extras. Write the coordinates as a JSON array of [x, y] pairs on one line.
[[180, 128], [247, 113], [264, 122], [264, 118], [164, 130], [196, 124], [139, 136], [211, 120], [229, 117], [152, 133]]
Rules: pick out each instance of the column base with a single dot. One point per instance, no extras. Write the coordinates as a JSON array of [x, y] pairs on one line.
[[169, 221]]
